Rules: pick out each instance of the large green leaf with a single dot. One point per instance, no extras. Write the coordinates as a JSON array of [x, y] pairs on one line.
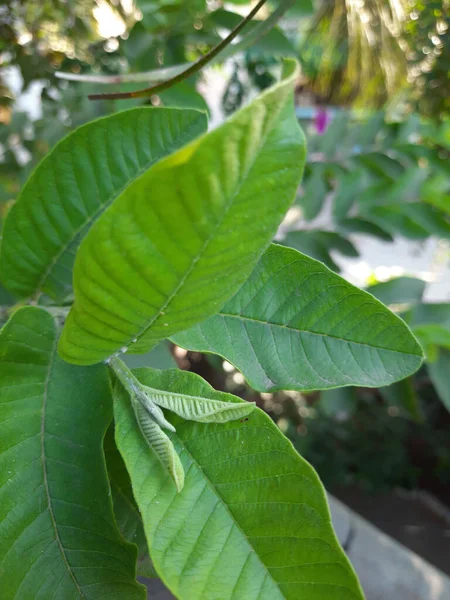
[[58, 537], [251, 521], [297, 325], [75, 183], [181, 240]]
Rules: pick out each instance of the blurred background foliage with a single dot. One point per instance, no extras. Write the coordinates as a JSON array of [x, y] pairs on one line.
[[373, 98]]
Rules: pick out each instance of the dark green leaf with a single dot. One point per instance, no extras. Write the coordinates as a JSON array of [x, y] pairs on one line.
[[318, 244], [58, 537], [340, 400], [315, 191], [401, 290], [439, 371], [357, 225], [296, 325], [75, 183], [126, 512], [403, 395]]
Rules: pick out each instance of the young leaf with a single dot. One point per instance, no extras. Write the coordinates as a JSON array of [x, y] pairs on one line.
[[181, 240], [191, 406], [296, 325], [251, 521], [75, 183], [158, 442], [58, 537], [196, 408]]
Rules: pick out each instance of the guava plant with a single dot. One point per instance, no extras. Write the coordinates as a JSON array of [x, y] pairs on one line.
[[141, 227]]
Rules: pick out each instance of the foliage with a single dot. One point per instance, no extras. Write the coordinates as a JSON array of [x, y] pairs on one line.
[[385, 178], [427, 29], [141, 226], [368, 442], [231, 187]]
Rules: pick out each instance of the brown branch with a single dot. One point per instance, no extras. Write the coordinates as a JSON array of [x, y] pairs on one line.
[[199, 64]]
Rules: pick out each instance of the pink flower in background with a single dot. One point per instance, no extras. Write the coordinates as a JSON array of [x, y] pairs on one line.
[[321, 120]]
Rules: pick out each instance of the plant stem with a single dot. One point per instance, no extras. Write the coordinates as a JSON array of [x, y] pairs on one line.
[[154, 76], [137, 393], [194, 68]]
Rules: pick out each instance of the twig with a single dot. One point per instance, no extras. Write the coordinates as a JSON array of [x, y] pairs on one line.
[[158, 75], [154, 76], [194, 68]]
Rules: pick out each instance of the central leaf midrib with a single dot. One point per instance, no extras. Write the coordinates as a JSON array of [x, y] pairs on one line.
[[44, 469], [326, 335]]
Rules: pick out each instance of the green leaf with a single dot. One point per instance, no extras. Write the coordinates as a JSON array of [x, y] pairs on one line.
[[274, 43], [415, 220], [429, 314], [433, 334], [381, 165], [159, 442], [357, 225], [126, 512], [75, 183], [158, 358], [58, 537], [339, 400], [181, 240], [318, 244], [197, 408], [400, 290], [348, 189], [296, 325], [183, 95], [403, 395], [315, 191], [439, 371], [251, 521]]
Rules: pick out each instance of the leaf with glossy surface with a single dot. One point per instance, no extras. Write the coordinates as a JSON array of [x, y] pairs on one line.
[[251, 521], [58, 537], [179, 242], [297, 325], [75, 183]]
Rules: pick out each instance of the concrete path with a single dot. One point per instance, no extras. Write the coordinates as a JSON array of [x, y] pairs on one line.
[[387, 570]]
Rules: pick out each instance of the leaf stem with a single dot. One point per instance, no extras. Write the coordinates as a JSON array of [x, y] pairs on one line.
[[137, 392], [194, 68]]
